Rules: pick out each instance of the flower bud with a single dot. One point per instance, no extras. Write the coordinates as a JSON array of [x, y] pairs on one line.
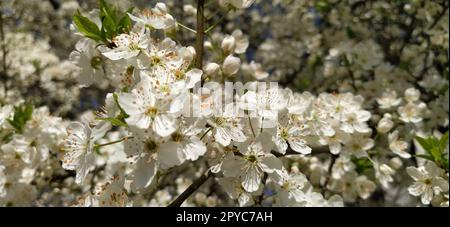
[[228, 44], [161, 7], [385, 124], [211, 69], [396, 163], [231, 65]]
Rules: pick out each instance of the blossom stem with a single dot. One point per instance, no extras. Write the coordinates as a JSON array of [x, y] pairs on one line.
[[330, 170], [191, 189], [186, 27], [217, 22], [251, 126], [113, 142], [206, 133]]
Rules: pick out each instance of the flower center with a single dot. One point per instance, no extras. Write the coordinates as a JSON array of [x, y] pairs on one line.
[[151, 146], [179, 75], [152, 112], [96, 62], [219, 121], [252, 158], [177, 137], [155, 61]]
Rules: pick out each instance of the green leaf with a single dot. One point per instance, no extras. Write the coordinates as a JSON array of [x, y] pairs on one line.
[[123, 115], [114, 121], [427, 157], [87, 27], [362, 164], [425, 144], [435, 149], [444, 141], [323, 6], [22, 114], [125, 24]]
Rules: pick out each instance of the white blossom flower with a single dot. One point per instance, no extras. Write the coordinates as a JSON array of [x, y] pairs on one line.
[[356, 121], [127, 46], [290, 187], [156, 18], [290, 135], [89, 61], [428, 182], [145, 109], [398, 146], [389, 99], [79, 147], [412, 112], [256, 160]]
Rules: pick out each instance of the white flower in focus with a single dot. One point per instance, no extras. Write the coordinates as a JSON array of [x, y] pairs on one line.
[[151, 153], [127, 46], [234, 189], [90, 62], [290, 187], [290, 135], [79, 147], [156, 18], [428, 182], [146, 110], [187, 142], [256, 160]]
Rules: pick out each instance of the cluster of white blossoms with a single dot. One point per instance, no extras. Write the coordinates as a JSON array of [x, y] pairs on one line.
[[348, 110], [27, 158], [155, 85]]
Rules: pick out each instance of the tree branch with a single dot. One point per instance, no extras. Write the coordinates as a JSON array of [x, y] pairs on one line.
[[191, 189], [200, 39], [4, 73]]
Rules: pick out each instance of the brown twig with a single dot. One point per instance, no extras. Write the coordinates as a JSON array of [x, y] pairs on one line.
[[4, 51], [191, 189], [200, 36]]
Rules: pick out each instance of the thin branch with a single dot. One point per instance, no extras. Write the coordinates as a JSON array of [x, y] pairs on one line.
[[330, 169], [191, 189]]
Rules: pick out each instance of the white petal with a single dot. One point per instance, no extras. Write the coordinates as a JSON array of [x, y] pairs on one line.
[[270, 163], [251, 179], [193, 77], [415, 173], [194, 149], [169, 155], [164, 125], [232, 166], [144, 173], [300, 146]]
